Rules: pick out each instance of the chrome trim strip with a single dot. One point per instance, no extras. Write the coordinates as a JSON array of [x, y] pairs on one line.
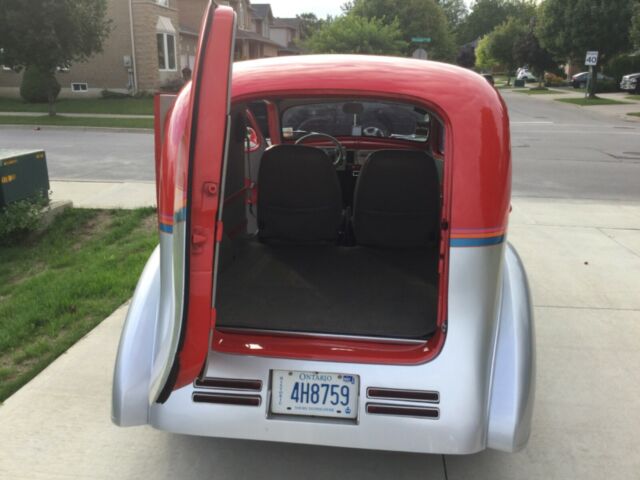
[[283, 333]]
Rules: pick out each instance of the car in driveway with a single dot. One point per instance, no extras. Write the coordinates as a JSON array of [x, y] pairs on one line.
[[345, 279], [581, 80], [526, 75], [631, 83]]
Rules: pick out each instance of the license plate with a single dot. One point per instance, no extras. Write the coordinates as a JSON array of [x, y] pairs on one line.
[[316, 394]]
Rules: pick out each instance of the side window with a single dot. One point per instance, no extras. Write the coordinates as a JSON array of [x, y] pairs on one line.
[[166, 51]]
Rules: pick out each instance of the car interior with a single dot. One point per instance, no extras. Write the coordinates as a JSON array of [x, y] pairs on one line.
[[334, 227]]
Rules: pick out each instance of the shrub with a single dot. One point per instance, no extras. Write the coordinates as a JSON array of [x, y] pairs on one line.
[[172, 86], [606, 86], [35, 85], [622, 65], [553, 80], [20, 218], [111, 95]]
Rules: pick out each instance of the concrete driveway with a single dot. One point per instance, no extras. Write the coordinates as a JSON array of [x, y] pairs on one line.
[[583, 260]]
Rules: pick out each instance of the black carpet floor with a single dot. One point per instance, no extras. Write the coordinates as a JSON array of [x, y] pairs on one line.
[[335, 290]]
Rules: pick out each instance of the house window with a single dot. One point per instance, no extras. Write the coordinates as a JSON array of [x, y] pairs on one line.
[[166, 51], [164, 3], [79, 87]]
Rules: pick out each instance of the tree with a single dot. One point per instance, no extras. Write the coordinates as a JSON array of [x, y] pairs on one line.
[[499, 46], [570, 28], [455, 11], [416, 18], [484, 61], [485, 15], [634, 34], [466, 57], [309, 24], [48, 34], [528, 51], [354, 34]]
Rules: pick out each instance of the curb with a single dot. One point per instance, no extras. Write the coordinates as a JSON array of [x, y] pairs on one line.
[[79, 128]]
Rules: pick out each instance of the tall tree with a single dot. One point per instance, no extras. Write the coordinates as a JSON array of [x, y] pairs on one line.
[[570, 28], [309, 24], [455, 11], [499, 46], [417, 18], [47, 34], [485, 15], [354, 34], [634, 34], [528, 51]]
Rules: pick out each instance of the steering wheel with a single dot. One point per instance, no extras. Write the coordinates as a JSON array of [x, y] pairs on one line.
[[339, 149], [373, 131]]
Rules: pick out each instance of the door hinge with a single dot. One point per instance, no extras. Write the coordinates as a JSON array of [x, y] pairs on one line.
[[199, 238]]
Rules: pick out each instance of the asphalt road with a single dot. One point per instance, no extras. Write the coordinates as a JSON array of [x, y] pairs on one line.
[[559, 151]]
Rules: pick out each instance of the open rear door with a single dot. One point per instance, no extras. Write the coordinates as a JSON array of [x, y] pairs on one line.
[[185, 321]]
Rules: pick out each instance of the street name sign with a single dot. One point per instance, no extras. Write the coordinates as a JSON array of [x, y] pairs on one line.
[[421, 39]]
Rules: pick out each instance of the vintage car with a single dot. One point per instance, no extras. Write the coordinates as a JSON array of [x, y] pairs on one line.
[[333, 266]]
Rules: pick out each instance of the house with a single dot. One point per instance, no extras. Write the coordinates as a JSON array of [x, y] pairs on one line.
[[286, 33], [153, 45], [140, 54], [252, 37]]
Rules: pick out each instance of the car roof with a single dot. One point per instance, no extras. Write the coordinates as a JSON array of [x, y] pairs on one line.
[[306, 74]]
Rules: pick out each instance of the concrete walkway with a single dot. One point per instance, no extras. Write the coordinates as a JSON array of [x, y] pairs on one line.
[[583, 260], [105, 194]]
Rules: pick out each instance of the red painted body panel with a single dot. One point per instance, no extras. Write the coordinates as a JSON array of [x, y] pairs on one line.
[[475, 117], [477, 179]]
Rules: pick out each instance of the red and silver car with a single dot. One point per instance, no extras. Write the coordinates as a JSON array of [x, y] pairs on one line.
[[333, 266]]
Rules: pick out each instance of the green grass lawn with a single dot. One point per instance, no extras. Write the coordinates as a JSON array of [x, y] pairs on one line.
[[118, 106], [635, 114], [544, 91], [585, 102], [57, 287], [64, 121], [633, 97]]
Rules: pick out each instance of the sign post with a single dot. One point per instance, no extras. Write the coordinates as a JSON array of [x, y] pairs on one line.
[[420, 52], [591, 60]]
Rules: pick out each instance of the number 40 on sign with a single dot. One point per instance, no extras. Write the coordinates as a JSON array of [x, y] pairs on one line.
[[591, 59]]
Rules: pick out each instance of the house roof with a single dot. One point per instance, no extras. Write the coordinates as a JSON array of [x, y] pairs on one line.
[[256, 37], [261, 10], [292, 23]]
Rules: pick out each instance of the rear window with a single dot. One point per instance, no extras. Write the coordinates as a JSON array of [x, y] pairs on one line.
[[368, 119]]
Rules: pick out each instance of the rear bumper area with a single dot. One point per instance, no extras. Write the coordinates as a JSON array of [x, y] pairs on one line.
[[462, 375]]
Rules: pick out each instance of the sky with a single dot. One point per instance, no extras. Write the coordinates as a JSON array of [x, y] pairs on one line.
[[322, 8]]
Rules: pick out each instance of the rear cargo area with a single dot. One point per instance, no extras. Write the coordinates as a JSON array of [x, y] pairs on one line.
[[328, 289]]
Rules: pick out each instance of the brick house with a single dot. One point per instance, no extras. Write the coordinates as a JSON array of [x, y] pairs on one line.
[[151, 43]]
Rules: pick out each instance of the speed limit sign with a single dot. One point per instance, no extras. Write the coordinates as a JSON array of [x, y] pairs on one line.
[[592, 59]]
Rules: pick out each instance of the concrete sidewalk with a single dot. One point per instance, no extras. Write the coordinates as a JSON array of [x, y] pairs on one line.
[[104, 194], [583, 260], [77, 115], [619, 111]]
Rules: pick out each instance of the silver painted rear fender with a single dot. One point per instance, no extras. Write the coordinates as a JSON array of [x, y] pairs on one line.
[[513, 385], [131, 377]]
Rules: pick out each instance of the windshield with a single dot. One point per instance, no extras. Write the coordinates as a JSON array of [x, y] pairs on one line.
[[368, 118]]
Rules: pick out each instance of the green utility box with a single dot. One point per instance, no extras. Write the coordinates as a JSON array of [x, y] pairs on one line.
[[518, 83], [23, 174]]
